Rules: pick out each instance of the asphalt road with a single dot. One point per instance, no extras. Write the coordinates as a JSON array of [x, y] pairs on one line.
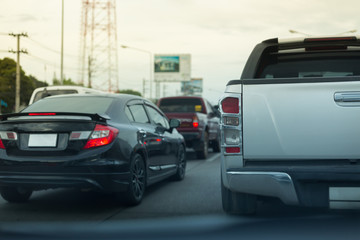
[[197, 194], [189, 208]]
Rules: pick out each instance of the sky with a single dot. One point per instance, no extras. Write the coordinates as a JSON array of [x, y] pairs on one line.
[[219, 35]]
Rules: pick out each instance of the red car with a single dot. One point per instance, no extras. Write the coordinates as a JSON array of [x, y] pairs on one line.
[[199, 122]]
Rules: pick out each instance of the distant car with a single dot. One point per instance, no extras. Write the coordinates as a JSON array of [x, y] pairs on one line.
[[48, 91], [200, 123], [113, 143]]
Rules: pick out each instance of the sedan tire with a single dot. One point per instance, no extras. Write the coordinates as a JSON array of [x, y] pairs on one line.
[[137, 184], [181, 168], [15, 194]]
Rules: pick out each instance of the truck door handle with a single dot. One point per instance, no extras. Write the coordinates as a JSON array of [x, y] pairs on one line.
[[347, 97]]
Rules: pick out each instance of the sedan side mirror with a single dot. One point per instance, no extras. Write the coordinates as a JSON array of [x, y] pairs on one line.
[[174, 123]]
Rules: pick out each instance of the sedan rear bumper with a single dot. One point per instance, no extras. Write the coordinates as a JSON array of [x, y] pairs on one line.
[[101, 182], [105, 175]]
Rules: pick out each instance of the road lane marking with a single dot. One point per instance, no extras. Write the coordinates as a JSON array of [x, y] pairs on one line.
[[213, 157]]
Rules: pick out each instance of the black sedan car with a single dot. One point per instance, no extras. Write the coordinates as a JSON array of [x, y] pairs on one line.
[[114, 143]]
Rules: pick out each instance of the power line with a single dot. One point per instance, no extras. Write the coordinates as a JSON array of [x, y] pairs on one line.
[[48, 48], [42, 60]]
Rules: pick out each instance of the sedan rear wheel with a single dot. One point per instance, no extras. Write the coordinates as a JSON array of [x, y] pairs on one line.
[[137, 183], [180, 173], [15, 194]]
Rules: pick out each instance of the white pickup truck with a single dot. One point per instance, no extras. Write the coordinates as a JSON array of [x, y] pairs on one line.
[[290, 126]]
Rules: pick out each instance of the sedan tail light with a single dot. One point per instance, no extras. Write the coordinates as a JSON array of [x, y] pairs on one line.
[[101, 136], [5, 135]]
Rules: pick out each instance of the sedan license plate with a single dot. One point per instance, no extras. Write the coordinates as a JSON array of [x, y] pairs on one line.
[[42, 140]]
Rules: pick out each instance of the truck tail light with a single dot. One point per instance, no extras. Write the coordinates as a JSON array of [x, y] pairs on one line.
[[101, 136], [231, 137], [232, 121], [231, 124], [195, 122], [232, 149], [230, 105]]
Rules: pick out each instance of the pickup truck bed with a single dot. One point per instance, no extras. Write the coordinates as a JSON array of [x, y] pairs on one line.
[[297, 134]]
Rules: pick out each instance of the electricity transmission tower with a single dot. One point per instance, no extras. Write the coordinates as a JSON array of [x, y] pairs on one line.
[[98, 46]]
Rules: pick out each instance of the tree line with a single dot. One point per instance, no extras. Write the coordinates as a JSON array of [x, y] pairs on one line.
[[27, 85], [7, 85]]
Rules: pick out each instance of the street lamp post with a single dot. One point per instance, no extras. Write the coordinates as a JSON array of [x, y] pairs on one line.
[[151, 63], [297, 32], [351, 31]]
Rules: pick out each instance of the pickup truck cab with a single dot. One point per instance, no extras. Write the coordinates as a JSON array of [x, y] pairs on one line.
[[199, 122], [43, 92], [290, 126]]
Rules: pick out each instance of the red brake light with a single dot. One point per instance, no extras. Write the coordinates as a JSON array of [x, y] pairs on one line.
[[42, 114], [230, 105], [2, 144], [101, 136]]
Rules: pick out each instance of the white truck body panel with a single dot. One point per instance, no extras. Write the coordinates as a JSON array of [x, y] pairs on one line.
[[300, 121]]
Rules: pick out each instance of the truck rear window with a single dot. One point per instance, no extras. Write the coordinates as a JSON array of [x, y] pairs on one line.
[[290, 67], [181, 105], [47, 93]]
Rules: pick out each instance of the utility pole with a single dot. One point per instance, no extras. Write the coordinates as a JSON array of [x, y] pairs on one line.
[[17, 83], [62, 45], [89, 71]]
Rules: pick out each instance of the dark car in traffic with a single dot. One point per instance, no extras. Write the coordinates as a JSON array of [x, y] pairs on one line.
[[114, 143], [200, 123]]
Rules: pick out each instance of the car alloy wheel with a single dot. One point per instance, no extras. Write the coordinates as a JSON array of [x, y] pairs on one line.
[[137, 182], [181, 156]]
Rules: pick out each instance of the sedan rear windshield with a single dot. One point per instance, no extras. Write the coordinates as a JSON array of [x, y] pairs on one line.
[[181, 105], [77, 104]]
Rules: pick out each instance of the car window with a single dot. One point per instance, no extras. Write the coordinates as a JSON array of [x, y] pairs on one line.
[[129, 114], [71, 104], [157, 117], [181, 105], [47, 93], [279, 66], [138, 113]]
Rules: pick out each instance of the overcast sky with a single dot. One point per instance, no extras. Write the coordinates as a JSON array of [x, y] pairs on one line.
[[219, 35]]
